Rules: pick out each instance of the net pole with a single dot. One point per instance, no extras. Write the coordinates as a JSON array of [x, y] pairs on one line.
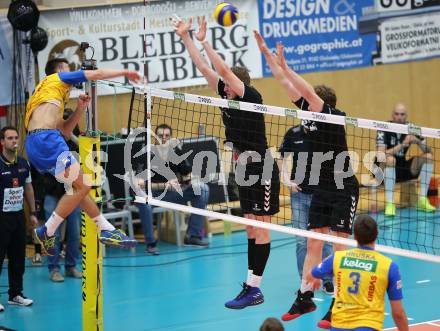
[[89, 147]]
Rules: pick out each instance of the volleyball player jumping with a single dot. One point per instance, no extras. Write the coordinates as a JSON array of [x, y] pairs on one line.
[[334, 202], [48, 151], [247, 132]]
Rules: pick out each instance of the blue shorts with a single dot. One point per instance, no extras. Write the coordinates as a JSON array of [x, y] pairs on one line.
[[48, 152]]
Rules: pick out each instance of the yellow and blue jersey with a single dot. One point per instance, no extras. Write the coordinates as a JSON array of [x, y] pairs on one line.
[[55, 87], [47, 149], [362, 276]]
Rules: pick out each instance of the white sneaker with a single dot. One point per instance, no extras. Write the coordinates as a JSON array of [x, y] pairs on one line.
[[2, 308], [20, 301]]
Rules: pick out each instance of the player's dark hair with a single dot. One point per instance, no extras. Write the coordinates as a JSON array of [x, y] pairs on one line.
[[163, 126], [52, 65], [271, 324], [243, 74], [365, 230], [327, 94], [6, 128]]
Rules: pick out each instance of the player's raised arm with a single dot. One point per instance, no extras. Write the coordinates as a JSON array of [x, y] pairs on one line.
[[222, 69], [81, 76], [304, 88], [112, 73], [277, 71], [182, 30]]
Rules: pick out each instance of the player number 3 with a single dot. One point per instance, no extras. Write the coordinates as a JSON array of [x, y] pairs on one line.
[[355, 277]]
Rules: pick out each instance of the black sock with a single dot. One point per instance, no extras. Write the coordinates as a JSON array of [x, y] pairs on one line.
[[37, 249], [251, 254], [262, 252]]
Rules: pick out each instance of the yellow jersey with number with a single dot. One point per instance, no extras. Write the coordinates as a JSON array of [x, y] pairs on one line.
[[51, 89], [362, 279]]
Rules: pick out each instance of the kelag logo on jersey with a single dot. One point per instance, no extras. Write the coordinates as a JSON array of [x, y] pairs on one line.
[[358, 264]]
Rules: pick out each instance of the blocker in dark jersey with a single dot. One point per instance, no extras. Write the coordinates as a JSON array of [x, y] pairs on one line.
[[247, 131], [261, 198], [331, 206], [335, 210]]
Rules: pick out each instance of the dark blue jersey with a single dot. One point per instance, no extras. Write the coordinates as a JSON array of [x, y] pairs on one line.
[[14, 176]]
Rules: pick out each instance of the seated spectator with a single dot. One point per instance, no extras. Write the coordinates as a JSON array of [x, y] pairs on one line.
[[171, 181], [271, 324], [15, 186], [398, 168]]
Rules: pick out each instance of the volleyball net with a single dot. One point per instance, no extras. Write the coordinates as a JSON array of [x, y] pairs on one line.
[[198, 140]]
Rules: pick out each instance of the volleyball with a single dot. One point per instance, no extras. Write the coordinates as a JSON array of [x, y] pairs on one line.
[[225, 14]]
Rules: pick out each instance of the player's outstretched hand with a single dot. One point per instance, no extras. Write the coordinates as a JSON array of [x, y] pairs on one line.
[[201, 33], [134, 76], [280, 55], [315, 282], [180, 26], [261, 43]]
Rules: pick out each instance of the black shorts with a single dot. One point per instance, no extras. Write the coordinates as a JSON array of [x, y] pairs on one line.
[[262, 197], [334, 209], [403, 170]]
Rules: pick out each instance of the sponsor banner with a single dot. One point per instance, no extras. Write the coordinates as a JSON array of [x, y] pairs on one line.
[[117, 34], [317, 35], [410, 38], [394, 5]]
